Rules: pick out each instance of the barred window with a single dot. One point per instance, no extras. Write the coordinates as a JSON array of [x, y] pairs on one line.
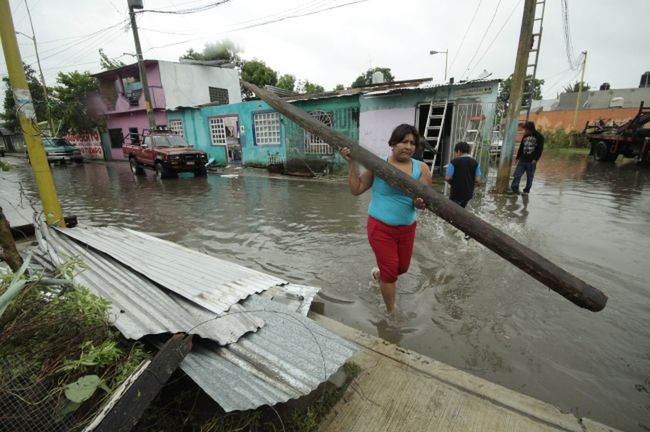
[[267, 128], [219, 95], [313, 144], [217, 131], [176, 126]]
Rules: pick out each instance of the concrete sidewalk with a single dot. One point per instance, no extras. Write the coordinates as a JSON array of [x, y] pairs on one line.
[[400, 390]]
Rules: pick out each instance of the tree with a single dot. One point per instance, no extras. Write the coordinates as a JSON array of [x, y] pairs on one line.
[[339, 87], [257, 72], [287, 82], [366, 78], [107, 63], [70, 105], [221, 50], [575, 87], [503, 99], [35, 89], [304, 86]]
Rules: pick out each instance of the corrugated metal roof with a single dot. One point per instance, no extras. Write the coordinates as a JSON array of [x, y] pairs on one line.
[[286, 359], [210, 282], [139, 307], [431, 85]]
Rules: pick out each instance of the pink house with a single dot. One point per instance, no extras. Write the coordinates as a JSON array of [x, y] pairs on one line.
[[171, 84]]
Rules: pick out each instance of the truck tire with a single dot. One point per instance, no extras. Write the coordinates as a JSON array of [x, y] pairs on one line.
[[601, 152], [162, 172], [136, 168], [201, 172]]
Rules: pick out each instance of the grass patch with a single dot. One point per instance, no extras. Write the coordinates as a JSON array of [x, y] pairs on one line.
[[60, 356], [5, 166], [559, 138]]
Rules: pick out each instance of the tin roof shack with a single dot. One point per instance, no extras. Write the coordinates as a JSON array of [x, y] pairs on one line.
[[171, 85], [469, 116]]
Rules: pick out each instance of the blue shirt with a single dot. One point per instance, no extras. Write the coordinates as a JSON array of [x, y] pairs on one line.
[[390, 205], [450, 169]]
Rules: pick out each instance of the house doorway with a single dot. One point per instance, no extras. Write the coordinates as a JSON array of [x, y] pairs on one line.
[[421, 114], [116, 137]]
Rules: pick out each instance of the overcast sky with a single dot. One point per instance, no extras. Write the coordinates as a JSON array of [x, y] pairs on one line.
[[333, 41]]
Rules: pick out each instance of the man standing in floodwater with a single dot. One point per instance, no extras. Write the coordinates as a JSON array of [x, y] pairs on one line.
[[391, 213], [530, 150]]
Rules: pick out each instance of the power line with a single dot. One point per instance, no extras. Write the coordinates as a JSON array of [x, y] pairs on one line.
[[484, 35], [497, 35], [568, 45], [464, 36], [186, 11]]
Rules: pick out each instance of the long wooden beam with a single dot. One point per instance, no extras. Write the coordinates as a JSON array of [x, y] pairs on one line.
[[551, 275]]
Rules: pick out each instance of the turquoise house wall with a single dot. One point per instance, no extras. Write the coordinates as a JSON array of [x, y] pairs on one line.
[[197, 132], [345, 119]]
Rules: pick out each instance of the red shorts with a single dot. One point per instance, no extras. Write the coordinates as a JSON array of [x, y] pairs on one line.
[[393, 247]]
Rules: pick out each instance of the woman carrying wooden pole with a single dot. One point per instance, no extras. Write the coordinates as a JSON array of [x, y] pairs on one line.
[[554, 277]]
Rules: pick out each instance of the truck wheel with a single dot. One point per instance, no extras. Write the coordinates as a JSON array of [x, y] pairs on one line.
[[601, 152], [136, 168], [201, 172], [162, 172]]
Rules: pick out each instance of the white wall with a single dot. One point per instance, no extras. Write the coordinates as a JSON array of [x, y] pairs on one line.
[[375, 127], [187, 84]]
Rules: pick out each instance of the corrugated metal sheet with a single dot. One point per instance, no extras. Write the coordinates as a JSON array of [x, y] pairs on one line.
[[210, 282], [286, 359], [139, 307]]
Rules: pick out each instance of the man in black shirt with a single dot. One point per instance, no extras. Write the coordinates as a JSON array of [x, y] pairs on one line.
[[530, 150]]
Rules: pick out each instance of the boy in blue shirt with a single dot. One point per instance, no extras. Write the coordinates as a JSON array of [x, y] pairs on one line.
[[463, 173]]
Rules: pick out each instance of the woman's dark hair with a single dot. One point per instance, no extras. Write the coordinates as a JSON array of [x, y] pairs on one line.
[[400, 132]]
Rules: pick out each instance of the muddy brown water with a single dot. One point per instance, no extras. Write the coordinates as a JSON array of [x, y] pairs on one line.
[[460, 303]]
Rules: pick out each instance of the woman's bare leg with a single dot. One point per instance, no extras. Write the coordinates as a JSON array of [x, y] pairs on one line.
[[388, 293]]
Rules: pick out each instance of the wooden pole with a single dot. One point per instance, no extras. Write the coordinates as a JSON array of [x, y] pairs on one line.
[[516, 92], [559, 280], [128, 410]]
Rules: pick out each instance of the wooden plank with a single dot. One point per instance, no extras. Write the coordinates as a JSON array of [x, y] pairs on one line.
[[127, 411], [540, 268]]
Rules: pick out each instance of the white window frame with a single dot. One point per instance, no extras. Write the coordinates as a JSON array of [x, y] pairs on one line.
[[267, 128], [176, 126], [313, 144], [217, 131]]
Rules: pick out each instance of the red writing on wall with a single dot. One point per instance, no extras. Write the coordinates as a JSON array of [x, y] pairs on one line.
[[89, 144]]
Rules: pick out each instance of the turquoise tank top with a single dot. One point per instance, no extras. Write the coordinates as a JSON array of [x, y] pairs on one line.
[[390, 205]]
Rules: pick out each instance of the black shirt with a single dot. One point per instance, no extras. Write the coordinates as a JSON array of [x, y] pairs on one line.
[[462, 181]]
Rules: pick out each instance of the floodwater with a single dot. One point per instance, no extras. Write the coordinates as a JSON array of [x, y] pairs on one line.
[[460, 303]]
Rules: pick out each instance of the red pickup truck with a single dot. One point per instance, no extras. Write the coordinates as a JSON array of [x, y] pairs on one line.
[[167, 154]]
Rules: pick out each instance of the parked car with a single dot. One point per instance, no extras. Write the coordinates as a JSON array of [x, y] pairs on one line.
[[495, 144], [167, 154], [58, 149]]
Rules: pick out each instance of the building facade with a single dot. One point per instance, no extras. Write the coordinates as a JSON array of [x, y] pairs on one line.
[[171, 85]]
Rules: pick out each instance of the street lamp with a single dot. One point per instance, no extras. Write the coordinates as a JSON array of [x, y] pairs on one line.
[[445, 52]]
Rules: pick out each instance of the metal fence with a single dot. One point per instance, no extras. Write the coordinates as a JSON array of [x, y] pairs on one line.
[[28, 405]]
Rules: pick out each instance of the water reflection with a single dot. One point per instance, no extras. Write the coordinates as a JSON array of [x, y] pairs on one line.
[[461, 303]]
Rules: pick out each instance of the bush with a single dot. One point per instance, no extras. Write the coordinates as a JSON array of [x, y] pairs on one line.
[[559, 138]]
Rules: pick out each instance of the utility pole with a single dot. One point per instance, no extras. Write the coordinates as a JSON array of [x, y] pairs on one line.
[[137, 4], [40, 70], [582, 77], [27, 117], [516, 91]]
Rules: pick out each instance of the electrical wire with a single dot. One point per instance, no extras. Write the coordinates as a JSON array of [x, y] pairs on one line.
[[496, 36], [185, 11], [496, 9], [458, 49], [568, 45]]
